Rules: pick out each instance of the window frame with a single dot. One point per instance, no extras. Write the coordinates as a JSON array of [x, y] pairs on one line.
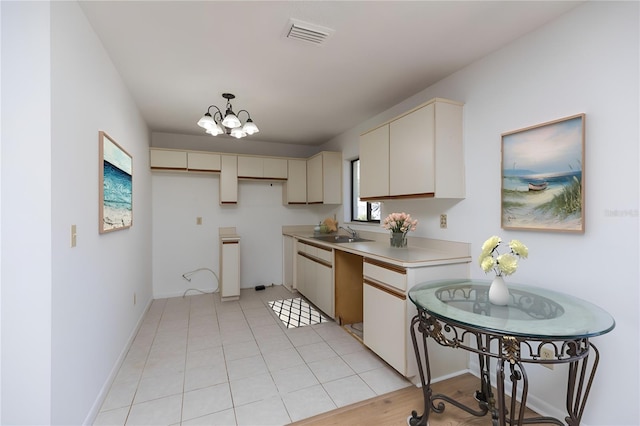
[[356, 199]]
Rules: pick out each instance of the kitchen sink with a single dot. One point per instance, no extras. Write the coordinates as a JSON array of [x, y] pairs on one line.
[[340, 239]]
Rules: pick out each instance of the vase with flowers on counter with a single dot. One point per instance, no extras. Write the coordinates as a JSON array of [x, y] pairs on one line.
[[502, 264], [399, 224]]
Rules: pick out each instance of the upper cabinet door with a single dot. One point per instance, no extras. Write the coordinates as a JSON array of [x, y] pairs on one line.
[[167, 159], [412, 153], [374, 163], [203, 161], [275, 168], [251, 167], [295, 188], [229, 179]]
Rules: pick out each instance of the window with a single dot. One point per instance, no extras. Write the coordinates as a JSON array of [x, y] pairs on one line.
[[361, 211]]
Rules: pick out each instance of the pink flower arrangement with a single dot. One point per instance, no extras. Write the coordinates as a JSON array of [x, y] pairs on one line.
[[399, 222]]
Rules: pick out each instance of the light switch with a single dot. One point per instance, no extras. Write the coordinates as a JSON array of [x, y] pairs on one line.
[[73, 235], [198, 220]]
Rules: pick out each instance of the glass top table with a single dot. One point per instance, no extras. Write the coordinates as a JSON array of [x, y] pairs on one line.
[[532, 312], [537, 326]]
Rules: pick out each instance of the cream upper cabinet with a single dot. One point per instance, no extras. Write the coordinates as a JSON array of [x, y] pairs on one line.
[[324, 178], [294, 191], [275, 168], [167, 159], [374, 163], [229, 179], [411, 153], [203, 161], [262, 167], [424, 155], [250, 167]]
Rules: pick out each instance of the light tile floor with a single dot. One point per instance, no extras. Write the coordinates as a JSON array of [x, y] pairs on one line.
[[199, 361]]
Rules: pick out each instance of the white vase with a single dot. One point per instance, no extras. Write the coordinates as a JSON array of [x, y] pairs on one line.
[[498, 291]]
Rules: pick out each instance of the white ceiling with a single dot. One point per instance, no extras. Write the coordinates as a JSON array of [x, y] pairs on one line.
[[178, 57]]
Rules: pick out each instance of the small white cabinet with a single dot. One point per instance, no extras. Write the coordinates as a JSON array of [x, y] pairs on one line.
[[324, 178], [229, 179], [229, 264], [294, 191]]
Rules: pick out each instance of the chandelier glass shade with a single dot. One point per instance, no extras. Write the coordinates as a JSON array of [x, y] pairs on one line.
[[229, 123]]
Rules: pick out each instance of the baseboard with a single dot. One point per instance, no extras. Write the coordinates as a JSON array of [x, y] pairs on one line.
[[104, 391]]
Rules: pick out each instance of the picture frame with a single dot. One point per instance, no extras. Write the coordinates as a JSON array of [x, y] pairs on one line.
[[115, 186], [542, 176]]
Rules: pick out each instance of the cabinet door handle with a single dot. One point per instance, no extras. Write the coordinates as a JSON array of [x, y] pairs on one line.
[[386, 289]]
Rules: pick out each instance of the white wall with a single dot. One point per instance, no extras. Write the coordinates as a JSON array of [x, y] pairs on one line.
[[94, 284], [26, 214], [68, 313], [586, 61], [179, 245]]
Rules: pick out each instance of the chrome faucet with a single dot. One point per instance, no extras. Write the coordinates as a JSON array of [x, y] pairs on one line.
[[354, 233]]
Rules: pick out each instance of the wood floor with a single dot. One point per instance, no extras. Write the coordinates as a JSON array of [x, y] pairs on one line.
[[393, 408]]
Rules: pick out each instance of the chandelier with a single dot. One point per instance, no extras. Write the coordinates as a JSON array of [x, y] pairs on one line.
[[229, 124]]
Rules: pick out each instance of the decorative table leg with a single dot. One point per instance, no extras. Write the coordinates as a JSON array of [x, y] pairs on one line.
[[577, 393], [422, 420]]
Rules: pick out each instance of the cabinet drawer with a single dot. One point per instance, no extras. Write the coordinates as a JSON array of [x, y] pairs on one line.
[[317, 252], [389, 274], [325, 254]]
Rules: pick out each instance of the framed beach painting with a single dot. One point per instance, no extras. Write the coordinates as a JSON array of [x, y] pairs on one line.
[[543, 176], [116, 183]]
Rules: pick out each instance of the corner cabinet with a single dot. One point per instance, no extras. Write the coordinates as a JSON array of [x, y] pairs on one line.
[[416, 155], [324, 178]]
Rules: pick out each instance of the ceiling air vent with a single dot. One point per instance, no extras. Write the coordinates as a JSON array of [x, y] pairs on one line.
[[310, 33]]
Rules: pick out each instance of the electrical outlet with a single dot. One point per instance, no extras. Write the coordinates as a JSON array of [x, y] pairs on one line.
[[546, 353], [443, 221], [73, 235]]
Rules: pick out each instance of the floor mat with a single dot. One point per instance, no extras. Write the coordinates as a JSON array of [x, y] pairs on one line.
[[296, 312]]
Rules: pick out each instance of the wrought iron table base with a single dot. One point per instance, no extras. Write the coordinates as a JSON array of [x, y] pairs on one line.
[[510, 352]]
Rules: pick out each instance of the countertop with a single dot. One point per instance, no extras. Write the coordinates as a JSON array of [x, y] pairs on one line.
[[419, 252]]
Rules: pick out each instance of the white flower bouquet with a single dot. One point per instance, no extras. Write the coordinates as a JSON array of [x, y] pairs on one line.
[[501, 264]]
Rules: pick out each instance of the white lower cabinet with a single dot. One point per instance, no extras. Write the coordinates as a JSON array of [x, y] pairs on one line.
[[229, 264], [387, 314], [314, 276], [384, 314]]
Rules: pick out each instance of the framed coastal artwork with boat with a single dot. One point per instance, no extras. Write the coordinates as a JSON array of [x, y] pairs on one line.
[[115, 188], [543, 176]]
